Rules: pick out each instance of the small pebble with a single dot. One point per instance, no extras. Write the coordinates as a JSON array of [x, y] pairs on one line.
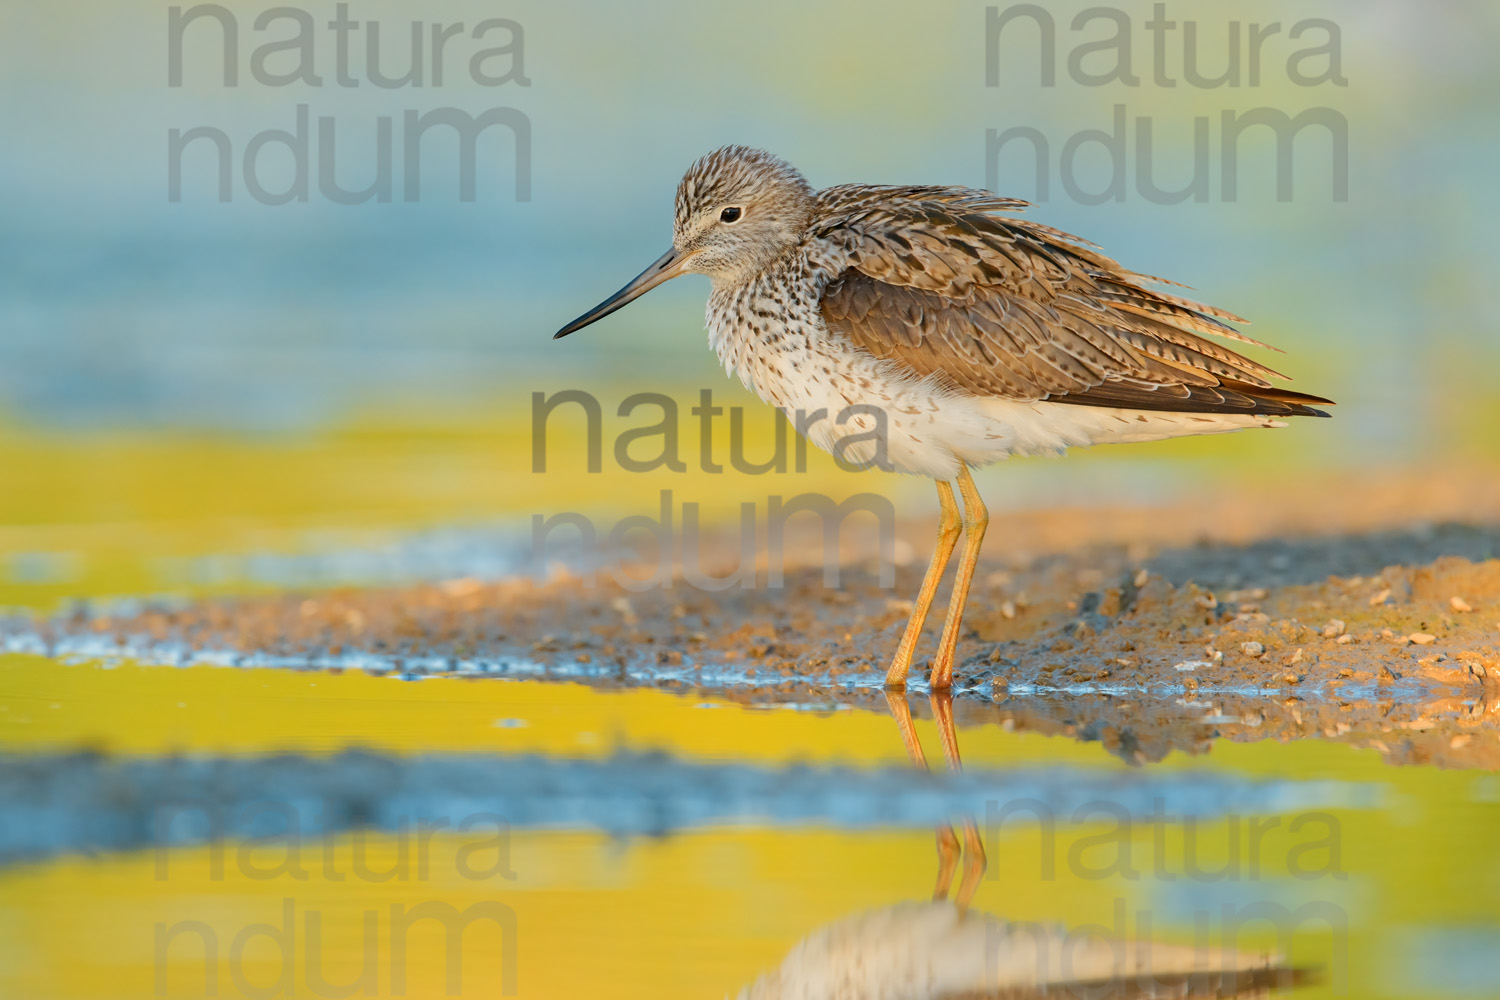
[[1422, 638], [1142, 576], [1459, 604], [1008, 609], [1252, 649], [1333, 628], [1345, 639], [1381, 597]]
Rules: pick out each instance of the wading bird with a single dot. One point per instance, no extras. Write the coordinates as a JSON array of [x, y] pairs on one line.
[[935, 334]]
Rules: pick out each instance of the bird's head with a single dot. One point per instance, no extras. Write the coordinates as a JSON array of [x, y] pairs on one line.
[[738, 209]]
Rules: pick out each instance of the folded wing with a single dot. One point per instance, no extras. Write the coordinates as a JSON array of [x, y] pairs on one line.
[[995, 306]]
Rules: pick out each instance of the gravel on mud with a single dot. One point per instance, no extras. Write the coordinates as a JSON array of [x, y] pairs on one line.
[[1148, 630]]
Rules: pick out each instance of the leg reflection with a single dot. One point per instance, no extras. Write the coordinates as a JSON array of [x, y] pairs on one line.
[[948, 847], [974, 859]]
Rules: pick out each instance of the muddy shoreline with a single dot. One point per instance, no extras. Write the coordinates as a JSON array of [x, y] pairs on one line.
[[1387, 637]]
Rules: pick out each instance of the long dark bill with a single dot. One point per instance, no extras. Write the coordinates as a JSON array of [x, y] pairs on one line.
[[669, 265]]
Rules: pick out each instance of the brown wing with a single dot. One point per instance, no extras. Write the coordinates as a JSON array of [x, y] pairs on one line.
[[999, 307]]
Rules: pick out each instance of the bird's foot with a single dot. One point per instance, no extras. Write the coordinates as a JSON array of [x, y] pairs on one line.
[[941, 678]]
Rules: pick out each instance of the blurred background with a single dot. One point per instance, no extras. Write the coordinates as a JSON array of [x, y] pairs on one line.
[[240, 381], [227, 375]]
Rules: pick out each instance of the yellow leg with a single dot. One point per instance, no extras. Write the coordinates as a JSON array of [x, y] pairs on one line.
[[942, 714], [948, 848], [976, 519], [974, 859], [901, 712], [948, 529], [948, 855], [974, 865]]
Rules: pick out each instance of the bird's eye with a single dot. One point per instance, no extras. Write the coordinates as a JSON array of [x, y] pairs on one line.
[[730, 214]]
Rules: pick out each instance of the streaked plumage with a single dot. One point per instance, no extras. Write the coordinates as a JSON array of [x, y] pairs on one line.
[[1001, 307], [934, 333]]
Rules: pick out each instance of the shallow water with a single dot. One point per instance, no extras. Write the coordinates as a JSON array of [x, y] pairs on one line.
[[269, 822], [643, 843]]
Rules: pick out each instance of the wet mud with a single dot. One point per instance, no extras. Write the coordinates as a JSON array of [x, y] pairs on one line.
[[1147, 630]]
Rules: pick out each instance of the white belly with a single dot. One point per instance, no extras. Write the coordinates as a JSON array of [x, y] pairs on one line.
[[1044, 428], [871, 415]]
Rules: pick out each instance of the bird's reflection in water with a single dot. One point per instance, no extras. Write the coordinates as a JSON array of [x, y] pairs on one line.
[[943, 950], [947, 840]]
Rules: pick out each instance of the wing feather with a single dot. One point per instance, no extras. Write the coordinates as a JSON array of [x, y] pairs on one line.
[[992, 305]]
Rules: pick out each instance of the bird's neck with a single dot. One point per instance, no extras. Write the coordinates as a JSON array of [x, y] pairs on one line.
[[767, 328]]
